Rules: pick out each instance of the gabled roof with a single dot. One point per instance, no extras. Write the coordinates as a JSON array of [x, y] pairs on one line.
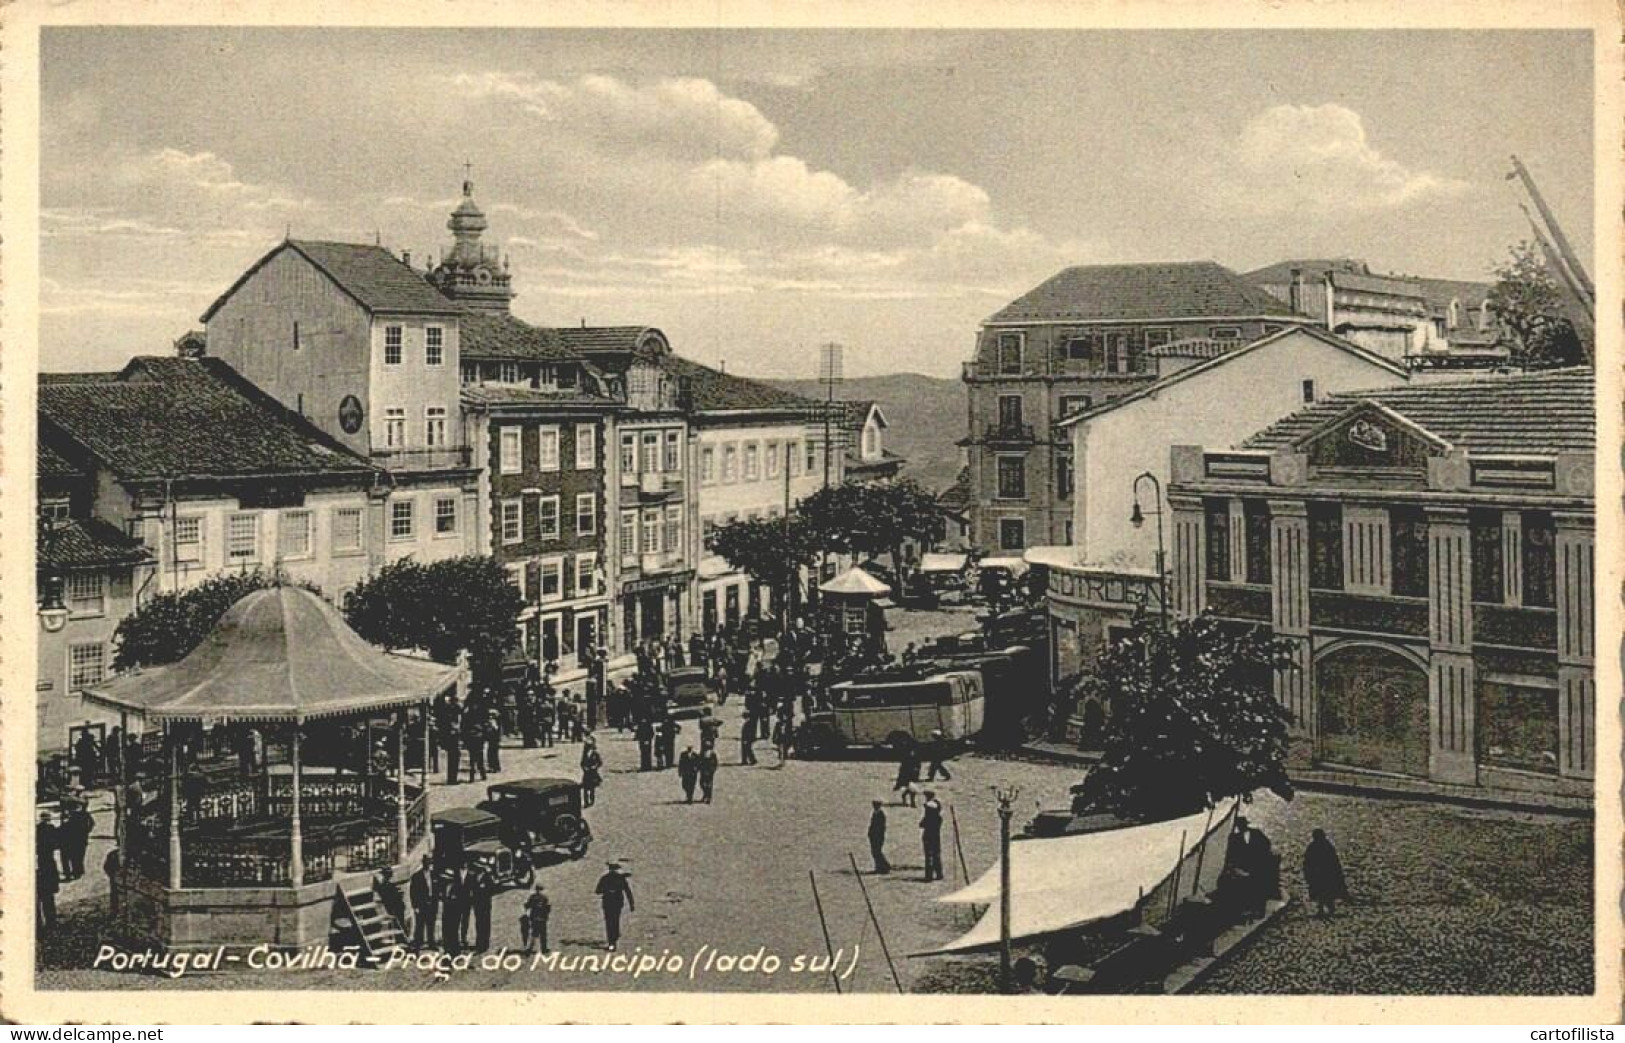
[[82, 543], [1191, 372], [169, 417], [591, 339], [1535, 413], [48, 463], [496, 335], [375, 278], [1280, 273], [1141, 293], [713, 391]]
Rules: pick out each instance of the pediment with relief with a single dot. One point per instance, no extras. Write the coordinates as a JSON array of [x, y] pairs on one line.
[[1371, 436]]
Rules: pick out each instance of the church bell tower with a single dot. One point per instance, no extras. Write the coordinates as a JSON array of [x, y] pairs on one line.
[[468, 274]]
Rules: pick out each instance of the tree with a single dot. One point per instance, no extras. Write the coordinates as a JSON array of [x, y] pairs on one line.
[[872, 518], [465, 604], [1528, 302], [772, 552], [168, 626], [1193, 719]]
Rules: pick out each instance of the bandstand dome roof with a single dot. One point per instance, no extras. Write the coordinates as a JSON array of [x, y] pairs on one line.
[[278, 654], [856, 581]]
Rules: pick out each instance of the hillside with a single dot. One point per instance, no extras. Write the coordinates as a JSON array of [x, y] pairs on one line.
[[927, 416]]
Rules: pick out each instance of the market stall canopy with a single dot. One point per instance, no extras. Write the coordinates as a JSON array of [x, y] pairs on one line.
[[943, 562], [856, 581], [278, 654], [1066, 882], [1014, 566]]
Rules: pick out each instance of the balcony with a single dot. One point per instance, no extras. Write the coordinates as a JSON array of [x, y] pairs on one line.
[[1515, 627], [1368, 613], [998, 433], [1039, 368], [661, 561], [650, 483], [443, 458]]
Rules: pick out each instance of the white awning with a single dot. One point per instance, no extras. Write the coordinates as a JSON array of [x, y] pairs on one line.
[[1069, 881], [943, 562], [1015, 566]]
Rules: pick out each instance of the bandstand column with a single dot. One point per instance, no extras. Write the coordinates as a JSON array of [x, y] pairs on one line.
[[174, 809], [121, 831], [428, 739], [296, 839], [400, 782]]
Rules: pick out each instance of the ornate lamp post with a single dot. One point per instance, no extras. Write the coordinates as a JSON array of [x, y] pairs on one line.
[[1137, 519], [1006, 795]]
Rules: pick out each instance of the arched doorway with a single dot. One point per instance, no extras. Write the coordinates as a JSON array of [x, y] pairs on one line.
[[1373, 709]]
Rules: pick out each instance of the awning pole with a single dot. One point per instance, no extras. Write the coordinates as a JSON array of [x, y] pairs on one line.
[[295, 831], [174, 808]]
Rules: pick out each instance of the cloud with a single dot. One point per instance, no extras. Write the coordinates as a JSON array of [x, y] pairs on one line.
[[1314, 159]]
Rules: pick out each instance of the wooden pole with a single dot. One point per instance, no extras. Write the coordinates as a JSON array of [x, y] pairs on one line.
[[1179, 863], [880, 934], [829, 946], [174, 807], [1006, 975], [295, 831], [1201, 853]]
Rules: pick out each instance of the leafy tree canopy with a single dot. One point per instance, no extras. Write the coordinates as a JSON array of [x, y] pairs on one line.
[[770, 551], [1193, 720], [168, 626], [466, 604], [1528, 302], [874, 518]]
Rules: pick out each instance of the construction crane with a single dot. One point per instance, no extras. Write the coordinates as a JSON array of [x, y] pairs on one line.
[[1580, 303]]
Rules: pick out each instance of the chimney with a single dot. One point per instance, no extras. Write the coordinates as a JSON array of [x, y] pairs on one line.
[[1295, 291], [406, 258]]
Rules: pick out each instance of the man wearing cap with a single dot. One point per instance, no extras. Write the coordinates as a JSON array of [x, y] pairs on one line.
[[533, 920], [931, 835], [614, 891]]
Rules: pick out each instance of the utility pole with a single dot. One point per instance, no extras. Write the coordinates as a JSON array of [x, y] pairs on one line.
[[1006, 795], [829, 374]]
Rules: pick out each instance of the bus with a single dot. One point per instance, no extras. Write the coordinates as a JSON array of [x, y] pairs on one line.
[[896, 713]]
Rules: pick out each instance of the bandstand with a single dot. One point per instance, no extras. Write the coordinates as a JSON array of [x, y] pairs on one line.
[[312, 796]]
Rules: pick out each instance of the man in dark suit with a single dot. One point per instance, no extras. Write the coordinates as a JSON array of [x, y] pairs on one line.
[[480, 889], [453, 903], [931, 835], [877, 838], [46, 877], [425, 904], [614, 892], [388, 893]]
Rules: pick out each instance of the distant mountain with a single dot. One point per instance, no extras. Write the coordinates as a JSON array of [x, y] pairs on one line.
[[927, 416]]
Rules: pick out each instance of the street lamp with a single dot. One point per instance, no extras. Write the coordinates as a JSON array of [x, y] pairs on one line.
[[1006, 795], [1137, 519], [53, 613]]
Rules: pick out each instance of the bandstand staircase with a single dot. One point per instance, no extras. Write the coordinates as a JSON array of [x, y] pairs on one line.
[[374, 930]]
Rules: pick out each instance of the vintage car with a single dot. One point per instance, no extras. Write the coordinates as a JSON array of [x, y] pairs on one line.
[[689, 692], [470, 837], [539, 816]]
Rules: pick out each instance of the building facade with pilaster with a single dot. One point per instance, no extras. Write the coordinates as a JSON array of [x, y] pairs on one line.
[[1428, 555]]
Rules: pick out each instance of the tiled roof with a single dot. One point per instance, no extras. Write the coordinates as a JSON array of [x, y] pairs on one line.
[[712, 390], [89, 542], [377, 279], [1193, 348], [490, 335], [1312, 268], [78, 378], [171, 417], [589, 339], [1537, 413], [51, 464], [1142, 292], [498, 395]]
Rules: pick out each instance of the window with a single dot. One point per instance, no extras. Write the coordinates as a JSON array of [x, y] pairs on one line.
[[1309, 391], [1256, 517], [547, 451], [1063, 475], [651, 532], [434, 346], [1009, 414], [871, 443], [55, 510], [1072, 404], [1408, 535], [445, 515], [189, 538], [586, 514], [392, 345], [513, 520], [586, 574], [549, 523], [1010, 352], [730, 463], [242, 538], [434, 426], [510, 449], [403, 519], [772, 459], [516, 576], [87, 665], [1488, 585], [346, 530], [470, 373], [552, 579], [1224, 333], [752, 464], [792, 458], [508, 373], [1218, 539], [1157, 336], [293, 534], [649, 463], [672, 464], [708, 465], [586, 447], [1079, 348], [1517, 725], [395, 428], [629, 453], [87, 594], [1012, 478], [674, 529], [629, 533], [1118, 359], [812, 457], [1325, 546], [1539, 560], [1012, 533]]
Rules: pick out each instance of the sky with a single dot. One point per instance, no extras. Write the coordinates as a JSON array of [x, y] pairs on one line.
[[757, 193]]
